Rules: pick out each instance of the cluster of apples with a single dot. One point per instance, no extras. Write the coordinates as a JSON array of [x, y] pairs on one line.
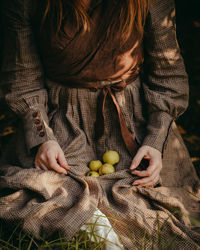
[[97, 168]]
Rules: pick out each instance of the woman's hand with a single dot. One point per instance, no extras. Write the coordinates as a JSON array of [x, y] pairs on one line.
[[152, 173], [50, 156]]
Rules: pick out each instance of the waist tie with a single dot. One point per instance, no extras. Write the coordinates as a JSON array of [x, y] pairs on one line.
[[107, 88], [127, 136]]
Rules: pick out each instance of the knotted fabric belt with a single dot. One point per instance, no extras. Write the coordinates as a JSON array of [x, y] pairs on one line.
[[127, 136], [107, 88]]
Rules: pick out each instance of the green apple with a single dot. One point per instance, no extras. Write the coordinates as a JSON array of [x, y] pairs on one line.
[[100, 171], [95, 165], [111, 157], [93, 174], [107, 169]]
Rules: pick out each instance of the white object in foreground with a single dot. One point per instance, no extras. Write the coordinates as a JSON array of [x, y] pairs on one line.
[[100, 230]]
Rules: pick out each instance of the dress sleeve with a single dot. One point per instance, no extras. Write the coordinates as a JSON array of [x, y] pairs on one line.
[[22, 75], [165, 82]]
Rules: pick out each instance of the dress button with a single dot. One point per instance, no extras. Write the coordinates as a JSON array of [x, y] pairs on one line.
[[42, 134], [40, 127], [37, 121], [35, 114]]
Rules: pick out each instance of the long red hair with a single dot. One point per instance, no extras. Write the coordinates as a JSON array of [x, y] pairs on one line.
[[129, 15]]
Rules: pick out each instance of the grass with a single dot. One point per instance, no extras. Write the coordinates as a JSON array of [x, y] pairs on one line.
[[17, 239], [21, 240]]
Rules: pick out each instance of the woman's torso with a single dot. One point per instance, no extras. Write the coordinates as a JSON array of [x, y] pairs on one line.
[[90, 56]]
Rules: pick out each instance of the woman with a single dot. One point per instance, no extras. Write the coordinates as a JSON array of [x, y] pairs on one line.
[[86, 77]]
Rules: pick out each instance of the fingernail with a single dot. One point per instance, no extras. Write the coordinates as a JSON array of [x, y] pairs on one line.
[[64, 172], [132, 166]]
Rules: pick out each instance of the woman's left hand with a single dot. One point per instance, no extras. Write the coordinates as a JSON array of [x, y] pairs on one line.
[[152, 173]]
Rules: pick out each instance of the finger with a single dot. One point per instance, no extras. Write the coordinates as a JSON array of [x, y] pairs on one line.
[[37, 165], [145, 181], [151, 183], [62, 161], [137, 159], [155, 161], [52, 163], [47, 161], [146, 184], [148, 172], [42, 165]]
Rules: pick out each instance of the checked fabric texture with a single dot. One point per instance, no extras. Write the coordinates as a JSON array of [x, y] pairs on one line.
[[45, 202]]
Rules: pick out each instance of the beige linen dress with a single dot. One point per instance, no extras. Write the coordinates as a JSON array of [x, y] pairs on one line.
[[45, 201]]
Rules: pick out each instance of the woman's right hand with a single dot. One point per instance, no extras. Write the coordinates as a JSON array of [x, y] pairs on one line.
[[50, 156]]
